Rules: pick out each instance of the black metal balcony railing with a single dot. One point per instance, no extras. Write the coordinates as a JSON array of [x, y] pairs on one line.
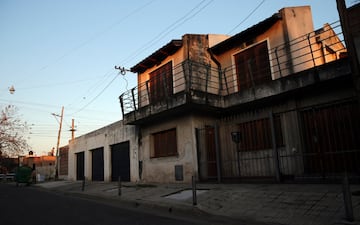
[[303, 53]]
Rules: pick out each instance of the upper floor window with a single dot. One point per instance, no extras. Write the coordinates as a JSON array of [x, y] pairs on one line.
[[253, 66], [164, 144], [161, 83]]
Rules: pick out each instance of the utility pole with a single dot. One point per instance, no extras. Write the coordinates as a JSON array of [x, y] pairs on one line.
[[72, 130], [350, 32], [58, 143]]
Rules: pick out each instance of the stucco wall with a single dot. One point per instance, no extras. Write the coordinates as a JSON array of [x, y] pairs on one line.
[[162, 169], [104, 137]]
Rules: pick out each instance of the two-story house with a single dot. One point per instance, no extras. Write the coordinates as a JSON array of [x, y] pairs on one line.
[[247, 106], [273, 101]]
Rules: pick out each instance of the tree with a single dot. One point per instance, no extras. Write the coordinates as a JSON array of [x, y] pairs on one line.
[[12, 132]]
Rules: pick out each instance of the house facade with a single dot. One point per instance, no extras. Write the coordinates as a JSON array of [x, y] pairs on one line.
[[275, 101]]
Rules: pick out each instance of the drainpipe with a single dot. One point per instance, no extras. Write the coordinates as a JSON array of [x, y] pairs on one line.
[[214, 59]]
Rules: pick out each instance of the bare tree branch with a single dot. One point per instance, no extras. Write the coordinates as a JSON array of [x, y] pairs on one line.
[[12, 132]]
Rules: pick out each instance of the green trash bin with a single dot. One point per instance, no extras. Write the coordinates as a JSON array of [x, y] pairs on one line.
[[23, 175]]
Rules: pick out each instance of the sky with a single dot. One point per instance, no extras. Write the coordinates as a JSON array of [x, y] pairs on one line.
[[62, 53]]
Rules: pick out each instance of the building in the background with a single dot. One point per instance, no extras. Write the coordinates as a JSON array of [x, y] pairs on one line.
[[44, 166], [64, 162]]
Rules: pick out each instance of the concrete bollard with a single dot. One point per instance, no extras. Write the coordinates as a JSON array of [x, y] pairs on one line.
[[347, 199], [119, 186], [193, 179], [83, 184]]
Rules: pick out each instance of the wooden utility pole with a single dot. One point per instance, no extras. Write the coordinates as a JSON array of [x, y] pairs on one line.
[[350, 32], [72, 130], [58, 144]]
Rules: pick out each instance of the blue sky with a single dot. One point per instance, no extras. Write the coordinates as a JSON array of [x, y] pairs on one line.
[[63, 53]]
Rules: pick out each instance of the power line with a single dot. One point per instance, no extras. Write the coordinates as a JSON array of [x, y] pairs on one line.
[[102, 91], [91, 89], [93, 37], [247, 17], [98, 34], [189, 15]]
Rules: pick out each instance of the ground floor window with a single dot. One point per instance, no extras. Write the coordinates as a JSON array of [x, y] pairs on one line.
[[164, 144]]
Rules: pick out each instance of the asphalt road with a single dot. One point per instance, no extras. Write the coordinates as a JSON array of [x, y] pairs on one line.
[[36, 206]]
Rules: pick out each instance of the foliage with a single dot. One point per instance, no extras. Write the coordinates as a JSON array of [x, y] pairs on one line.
[[12, 132]]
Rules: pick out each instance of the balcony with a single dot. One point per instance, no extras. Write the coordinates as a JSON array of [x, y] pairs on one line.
[[196, 87]]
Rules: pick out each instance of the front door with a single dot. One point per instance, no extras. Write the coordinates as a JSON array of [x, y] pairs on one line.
[[206, 149]]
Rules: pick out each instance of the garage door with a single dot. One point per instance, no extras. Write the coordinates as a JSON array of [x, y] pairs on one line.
[[120, 161], [97, 164], [80, 166]]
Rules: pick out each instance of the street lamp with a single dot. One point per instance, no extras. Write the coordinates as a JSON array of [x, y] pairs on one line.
[[12, 89]]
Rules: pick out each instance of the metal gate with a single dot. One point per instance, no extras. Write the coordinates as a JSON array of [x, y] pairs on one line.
[[120, 161], [317, 143], [97, 160], [332, 140]]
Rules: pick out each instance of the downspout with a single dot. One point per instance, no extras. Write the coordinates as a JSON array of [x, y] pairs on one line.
[[218, 64]]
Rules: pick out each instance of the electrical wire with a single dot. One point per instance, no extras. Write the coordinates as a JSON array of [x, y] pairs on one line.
[[247, 17], [189, 15], [92, 100], [92, 38], [91, 89], [96, 35]]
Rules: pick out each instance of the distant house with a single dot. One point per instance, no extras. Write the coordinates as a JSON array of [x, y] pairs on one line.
[[44, 165], [273, 101], [64, 161]]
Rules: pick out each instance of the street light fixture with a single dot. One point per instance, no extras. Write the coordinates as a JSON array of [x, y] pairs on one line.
[[12, 89]]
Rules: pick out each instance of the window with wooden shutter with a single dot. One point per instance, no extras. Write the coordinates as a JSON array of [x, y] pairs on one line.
[[164, 144], [253, 66], [161, 83]]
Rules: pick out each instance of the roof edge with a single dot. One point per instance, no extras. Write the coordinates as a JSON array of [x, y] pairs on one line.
[[158, 56]]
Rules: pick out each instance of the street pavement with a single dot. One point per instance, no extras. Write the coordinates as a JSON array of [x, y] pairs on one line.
[[291, 204]]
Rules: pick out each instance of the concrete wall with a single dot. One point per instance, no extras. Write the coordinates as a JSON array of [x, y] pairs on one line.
[[104, 137], [162, 169]]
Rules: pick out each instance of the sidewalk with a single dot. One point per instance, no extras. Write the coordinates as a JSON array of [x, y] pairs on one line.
[[295, 204]]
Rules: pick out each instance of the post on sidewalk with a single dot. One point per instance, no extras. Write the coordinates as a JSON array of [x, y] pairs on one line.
[[193, 179], [83, 184], [275, 150], [119, 186], [347, 199]]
